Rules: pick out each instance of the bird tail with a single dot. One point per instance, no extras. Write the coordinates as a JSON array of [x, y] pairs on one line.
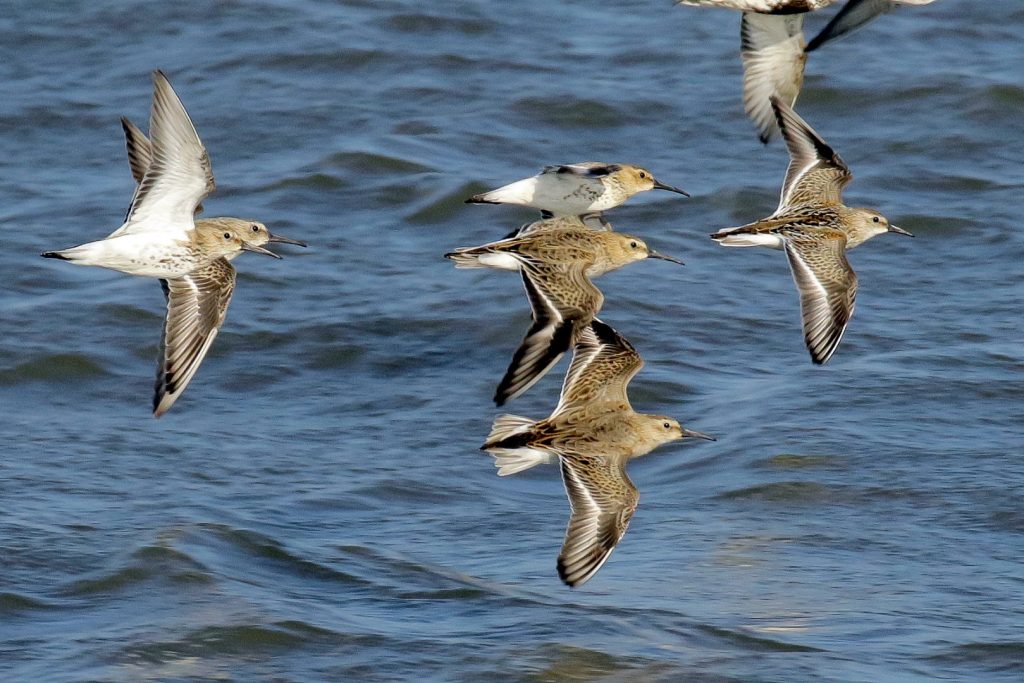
[[742, 237], [508, 443], [511, 461], [486, 256], [55, 254], [83, 253], [506, 426], [519, 192], [466, 258]]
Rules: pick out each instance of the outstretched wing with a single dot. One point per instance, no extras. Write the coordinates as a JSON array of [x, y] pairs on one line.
[[852, 16], [140, 151], [563, 300], [196, 306], [816, 175], [179, 176], [603, 363], [772, 48], [828, 290], [602, 500]]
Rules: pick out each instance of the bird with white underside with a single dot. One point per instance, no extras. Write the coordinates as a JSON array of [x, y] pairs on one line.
[[161, 238], [573, 189]]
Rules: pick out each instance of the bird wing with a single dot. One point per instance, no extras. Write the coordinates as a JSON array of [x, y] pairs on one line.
[[772, 48], [563, 300], [603, 363], [602, 500], [179, 176], [816, 174], [140, 151], [828, 290], [140, 158], [852, 16], [196, 306], [584, 169]]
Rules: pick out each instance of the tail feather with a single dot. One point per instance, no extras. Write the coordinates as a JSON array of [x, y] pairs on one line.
[[510, 461], [483, 257], [506, 426], [744, 237], [519, 192], [509, 442], [465, 259]]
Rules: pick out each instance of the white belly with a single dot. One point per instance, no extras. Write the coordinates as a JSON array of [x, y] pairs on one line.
[[137, 254]]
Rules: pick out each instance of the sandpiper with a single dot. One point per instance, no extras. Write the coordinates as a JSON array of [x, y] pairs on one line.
[[556, 266], [815, 229], [572, 189], [592, 433], [161, 239], [773, 49]]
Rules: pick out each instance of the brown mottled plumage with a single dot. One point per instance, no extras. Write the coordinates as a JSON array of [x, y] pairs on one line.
[[161, 238], [556, 266], [593, 433], [815, 229]]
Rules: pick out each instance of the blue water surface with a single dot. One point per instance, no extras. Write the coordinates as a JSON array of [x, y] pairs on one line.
[[315, 507]]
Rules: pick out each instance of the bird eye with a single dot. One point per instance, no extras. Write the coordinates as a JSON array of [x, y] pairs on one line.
[[255, 228], [642, 174], [667, 425], [875, 219], [632, 245], [227, 235]]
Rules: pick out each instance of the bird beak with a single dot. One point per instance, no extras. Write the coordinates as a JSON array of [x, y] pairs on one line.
[[258, 250], [662, 186], [285, 240], [698, 435], [899, 231], [658, 255]]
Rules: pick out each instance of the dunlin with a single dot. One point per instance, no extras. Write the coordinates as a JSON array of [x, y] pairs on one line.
[[773, 49], [556, 266], [161, 239], [815, 229], [592, 433], [573, 189]]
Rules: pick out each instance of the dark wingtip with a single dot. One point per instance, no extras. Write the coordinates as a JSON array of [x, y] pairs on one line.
[[54, 254], [816, 42], [604, 332], [563, 574]]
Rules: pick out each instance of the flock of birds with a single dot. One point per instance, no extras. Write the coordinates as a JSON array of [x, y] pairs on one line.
[[593, 431]]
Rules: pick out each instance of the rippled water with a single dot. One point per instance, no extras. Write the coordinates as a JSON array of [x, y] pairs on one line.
[[315, 506]]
